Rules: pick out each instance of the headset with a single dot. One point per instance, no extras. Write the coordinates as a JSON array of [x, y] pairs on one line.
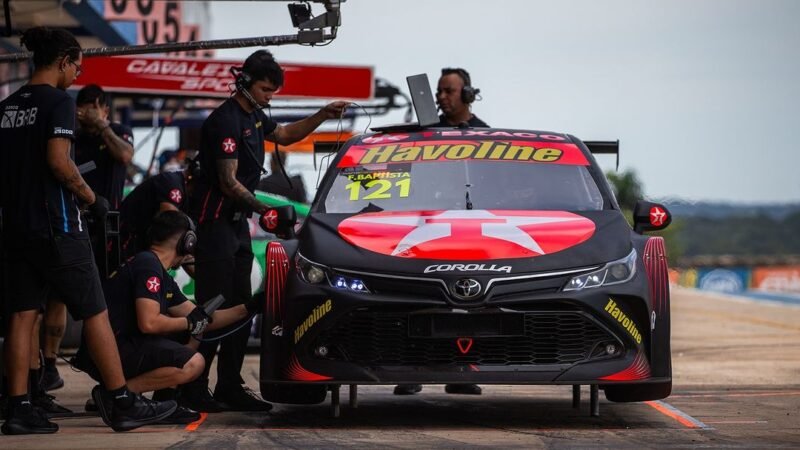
[[188, 240], [243, 81], [468, 92]]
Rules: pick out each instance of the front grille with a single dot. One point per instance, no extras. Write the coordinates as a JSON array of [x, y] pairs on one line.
[[381, 339]]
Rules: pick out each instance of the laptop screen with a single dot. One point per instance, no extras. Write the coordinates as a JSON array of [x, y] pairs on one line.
[[422, 98]]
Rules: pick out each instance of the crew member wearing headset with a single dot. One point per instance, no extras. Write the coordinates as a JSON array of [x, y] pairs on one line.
[[146, 309], [232, 158], [454, 95]]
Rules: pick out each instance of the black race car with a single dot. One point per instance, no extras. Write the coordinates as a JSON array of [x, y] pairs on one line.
[[484, 256]]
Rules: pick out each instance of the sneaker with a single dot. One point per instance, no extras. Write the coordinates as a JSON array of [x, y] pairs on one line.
[[407, 389], [240, 398], [28, 419], [51, 379], [197, 397], [181, 416], [466, 389], [48, 405], [143, 411]]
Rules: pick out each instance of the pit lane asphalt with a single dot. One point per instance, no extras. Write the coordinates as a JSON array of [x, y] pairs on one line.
[[736, 368]]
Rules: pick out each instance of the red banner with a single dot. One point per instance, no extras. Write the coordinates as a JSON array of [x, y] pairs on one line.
[[212, 78]]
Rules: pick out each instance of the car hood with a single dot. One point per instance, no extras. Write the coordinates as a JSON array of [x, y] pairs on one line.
[[481, 241]]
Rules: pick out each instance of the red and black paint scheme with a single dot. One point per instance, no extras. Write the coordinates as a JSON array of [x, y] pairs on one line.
[[386, 282]]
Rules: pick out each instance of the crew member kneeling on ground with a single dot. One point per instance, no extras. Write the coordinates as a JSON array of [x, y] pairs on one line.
[[149, 314]]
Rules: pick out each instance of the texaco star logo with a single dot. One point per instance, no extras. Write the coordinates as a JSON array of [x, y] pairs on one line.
[[271, 219], [175, 195], [384, 138], [229, 145], [657, 216], [467, 234], [153, 284]]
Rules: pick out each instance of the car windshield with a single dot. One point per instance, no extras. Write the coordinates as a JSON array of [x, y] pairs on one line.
[[466, 183]]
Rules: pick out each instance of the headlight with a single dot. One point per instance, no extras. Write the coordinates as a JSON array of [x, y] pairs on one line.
[[615, 272], [314, 273], [310, 272]]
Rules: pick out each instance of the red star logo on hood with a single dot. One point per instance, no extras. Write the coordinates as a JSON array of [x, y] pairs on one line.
[[466, 234]]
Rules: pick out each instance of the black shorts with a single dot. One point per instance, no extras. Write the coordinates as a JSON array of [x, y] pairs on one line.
[[224, 261], [62, 266], [140, 354]]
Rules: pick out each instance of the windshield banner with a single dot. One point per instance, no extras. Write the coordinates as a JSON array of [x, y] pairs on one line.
[[464, 150]]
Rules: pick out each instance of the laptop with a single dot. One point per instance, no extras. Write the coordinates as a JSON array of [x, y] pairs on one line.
[[422, 98]]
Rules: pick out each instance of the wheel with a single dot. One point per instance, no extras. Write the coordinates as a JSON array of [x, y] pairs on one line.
[[294, 393], [637, 392]]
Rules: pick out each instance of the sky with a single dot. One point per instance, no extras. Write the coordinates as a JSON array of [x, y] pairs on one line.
[[702, 94]]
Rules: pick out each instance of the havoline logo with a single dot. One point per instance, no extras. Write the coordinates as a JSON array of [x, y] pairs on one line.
[[624, 320], [318, 313]]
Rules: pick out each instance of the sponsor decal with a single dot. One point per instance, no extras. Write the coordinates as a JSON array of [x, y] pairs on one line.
[[175, 195], [657, 216], [271, 219], [722, 280], [318, 313], [467, 268], [472, 235], [153, 284], [384, 138], [626, 322], [509, 134], [14, 118], [277, 330], [784, 279], [58, 131], [229, 145], [464, 345], [509, 151]]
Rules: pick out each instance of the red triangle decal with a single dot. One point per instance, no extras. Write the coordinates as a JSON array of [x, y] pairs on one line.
[[464, 344]]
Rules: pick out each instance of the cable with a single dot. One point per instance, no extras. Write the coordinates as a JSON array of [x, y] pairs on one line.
[[339, 131], [216, 338]]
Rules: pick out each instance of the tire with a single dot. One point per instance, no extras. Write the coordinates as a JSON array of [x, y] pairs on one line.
[[637, 392], [294, 394]]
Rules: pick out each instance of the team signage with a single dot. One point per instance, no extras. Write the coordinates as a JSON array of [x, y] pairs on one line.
[[212, 78]]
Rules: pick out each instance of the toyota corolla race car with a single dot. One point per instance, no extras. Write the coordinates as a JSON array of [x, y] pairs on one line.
[[466, 256]]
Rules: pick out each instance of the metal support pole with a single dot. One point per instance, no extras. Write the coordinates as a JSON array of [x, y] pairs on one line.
[[262, 41], [576, 396], [354, 396], [335, 409], [594, 401]]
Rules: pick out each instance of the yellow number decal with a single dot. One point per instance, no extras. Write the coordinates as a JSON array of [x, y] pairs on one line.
[[381, 192]]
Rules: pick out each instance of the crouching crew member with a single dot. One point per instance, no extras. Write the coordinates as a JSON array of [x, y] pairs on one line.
[[163, 192], [150, 315]]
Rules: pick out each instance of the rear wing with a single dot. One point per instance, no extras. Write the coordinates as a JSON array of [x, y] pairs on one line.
[[604, 148]]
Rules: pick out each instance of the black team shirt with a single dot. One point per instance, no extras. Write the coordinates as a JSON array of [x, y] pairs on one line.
[[108, 179], [473, 121], [140, 277], [35, 205], [144, 202], [228, 133]]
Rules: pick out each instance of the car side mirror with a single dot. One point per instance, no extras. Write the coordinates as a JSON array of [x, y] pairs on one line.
[[279, 221], [648, 216]]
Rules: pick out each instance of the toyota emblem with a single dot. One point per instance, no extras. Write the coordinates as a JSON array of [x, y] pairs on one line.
[[466, 288]]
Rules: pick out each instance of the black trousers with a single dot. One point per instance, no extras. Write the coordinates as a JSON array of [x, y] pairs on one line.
[[224, 261]]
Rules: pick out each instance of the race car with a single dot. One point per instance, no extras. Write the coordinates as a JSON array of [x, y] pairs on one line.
[[442, 255]]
